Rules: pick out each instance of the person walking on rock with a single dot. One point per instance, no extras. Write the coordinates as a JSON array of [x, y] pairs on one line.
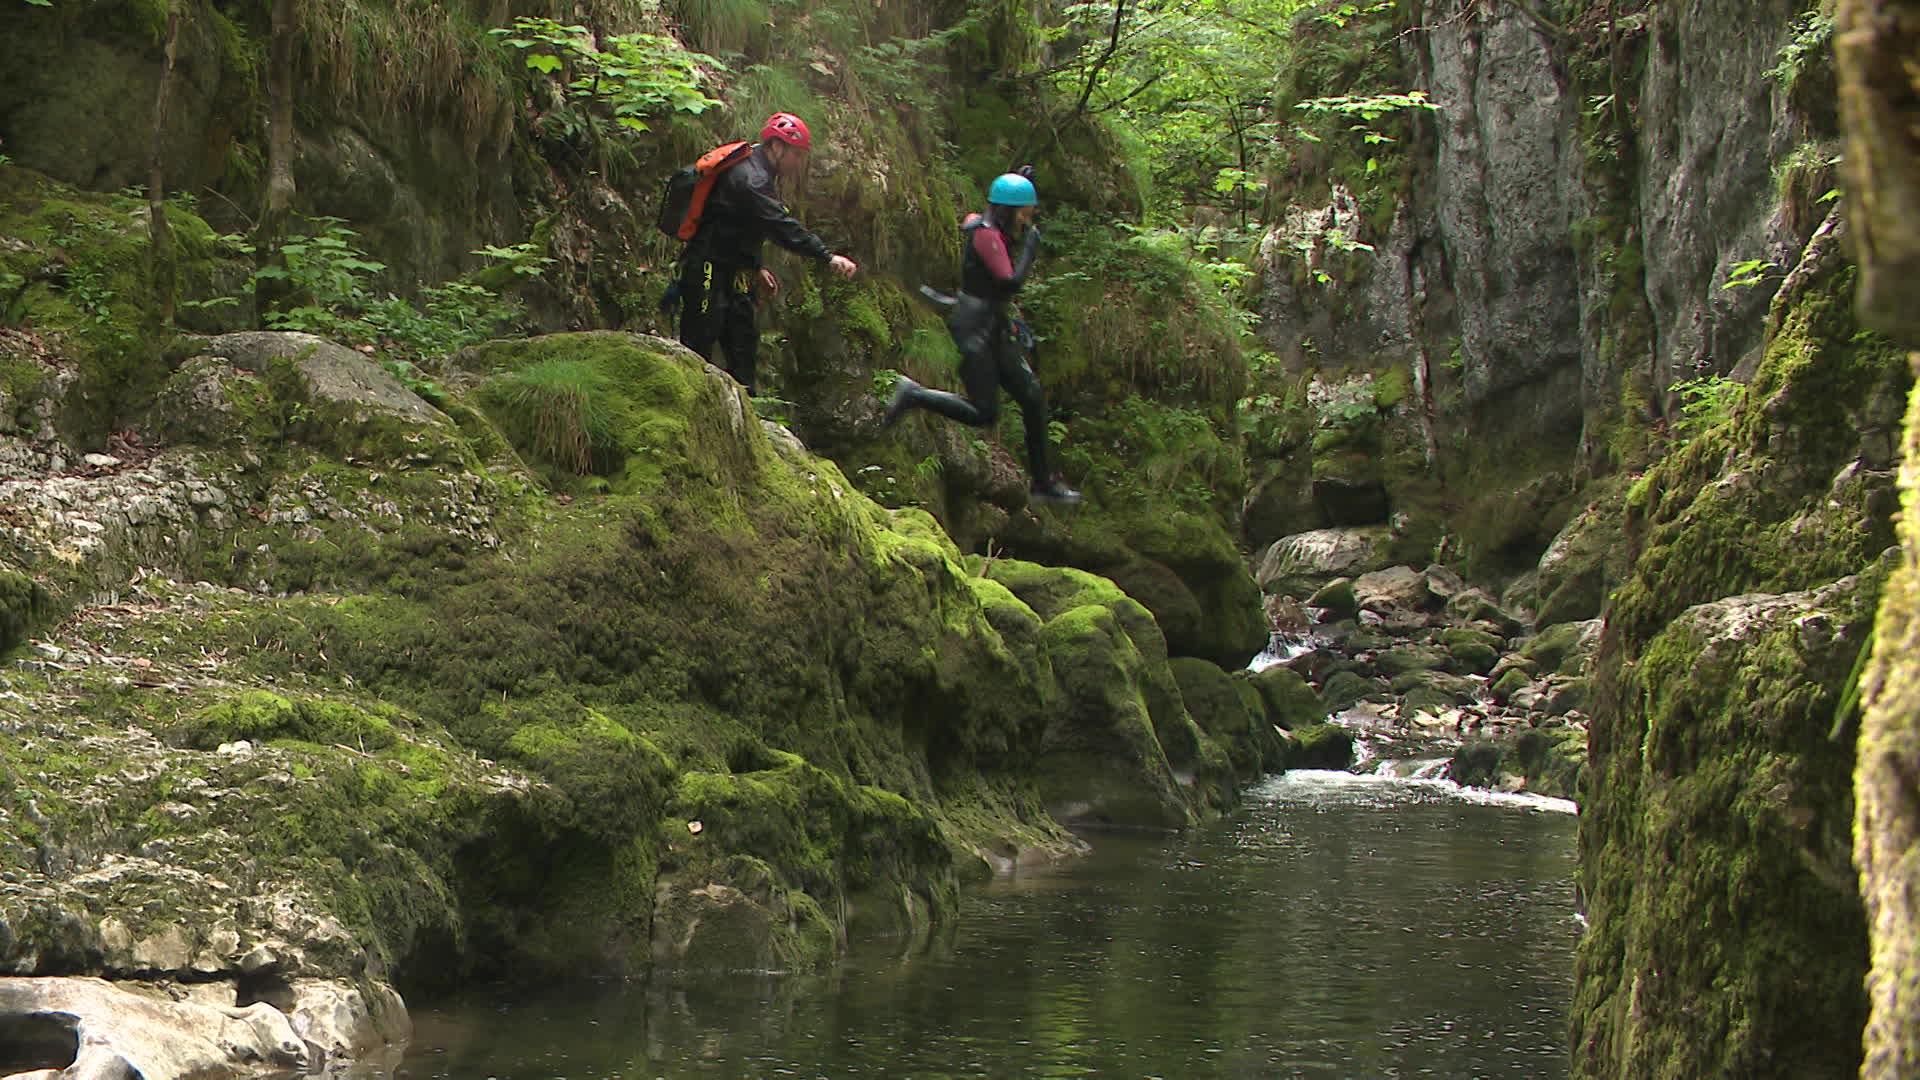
[[722, 275], [991, 356]]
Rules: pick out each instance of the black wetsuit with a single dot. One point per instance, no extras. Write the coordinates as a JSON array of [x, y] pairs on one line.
[[989, 356], [718, 281]]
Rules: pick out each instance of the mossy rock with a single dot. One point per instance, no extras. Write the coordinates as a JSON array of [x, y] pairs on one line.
[[1553, 760], [1559, 648], [22, 605], [1453, 689], [1343, 689], [1291, 700], [1473, 657], [264, 716], [1721, 798], [1337, 598], [1320, 746], [1213, 699], [1410, 658], [1509, 684], [1477, 764]]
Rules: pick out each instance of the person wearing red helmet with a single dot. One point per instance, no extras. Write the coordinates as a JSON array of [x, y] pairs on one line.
[[722, 275]]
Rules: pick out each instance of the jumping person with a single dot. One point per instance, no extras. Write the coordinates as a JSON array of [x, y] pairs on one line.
[[722, 275], [990, 356]]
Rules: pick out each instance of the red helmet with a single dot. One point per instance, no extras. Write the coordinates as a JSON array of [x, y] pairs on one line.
[[789, 129]]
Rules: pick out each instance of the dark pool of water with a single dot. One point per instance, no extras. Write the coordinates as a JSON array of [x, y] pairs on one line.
[[1336, 927]]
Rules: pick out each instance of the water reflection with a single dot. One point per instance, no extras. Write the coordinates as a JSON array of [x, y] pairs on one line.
[[1338, 927]]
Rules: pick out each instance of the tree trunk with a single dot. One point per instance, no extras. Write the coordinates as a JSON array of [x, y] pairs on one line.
[[160, 236], [1876, 46], [280, 188]]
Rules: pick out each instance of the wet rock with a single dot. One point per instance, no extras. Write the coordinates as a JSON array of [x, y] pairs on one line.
[[1513, 662], [1395, 589], [1433, 691], [1512, 682], [1476, 606], [1442, 584], [1343, 688], [1471, 651], [1410, 658]]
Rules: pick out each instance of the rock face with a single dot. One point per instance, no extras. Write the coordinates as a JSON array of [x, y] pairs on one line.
[[1754, 554], [320, 734], [1723, 806]]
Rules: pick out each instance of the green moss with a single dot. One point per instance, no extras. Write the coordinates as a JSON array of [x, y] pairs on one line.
[[22, 605], [1723, 802], [88, 281], [1320, 746], [262, 716], [1390, 388], [1214, 701]]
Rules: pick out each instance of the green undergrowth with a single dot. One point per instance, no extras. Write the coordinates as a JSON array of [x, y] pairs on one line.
[[79, 273]]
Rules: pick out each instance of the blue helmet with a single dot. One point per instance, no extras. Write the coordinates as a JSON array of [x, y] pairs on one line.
[[1012, 189]]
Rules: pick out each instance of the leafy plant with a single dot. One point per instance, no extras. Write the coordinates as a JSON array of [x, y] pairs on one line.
[[1705, 402], [331, 279], [1807, 45], [623, 79], [1748, 273]]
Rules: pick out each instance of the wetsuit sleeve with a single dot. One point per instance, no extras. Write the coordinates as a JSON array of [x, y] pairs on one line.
[[783, 227], [991, 246]]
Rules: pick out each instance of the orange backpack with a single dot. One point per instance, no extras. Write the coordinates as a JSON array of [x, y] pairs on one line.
[[685, 198]]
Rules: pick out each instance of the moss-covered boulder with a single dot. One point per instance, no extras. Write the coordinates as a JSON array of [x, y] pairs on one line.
[[1336, 598], [1567, 647], [1214, 700], [1302, 564], [1582, 564], [1120, 746], [1292, 702], [1471, 651], [738, 711], [21, 603], [1320, 746]]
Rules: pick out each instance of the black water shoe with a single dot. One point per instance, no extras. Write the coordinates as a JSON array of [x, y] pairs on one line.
[[903, 389], [1054, 491]]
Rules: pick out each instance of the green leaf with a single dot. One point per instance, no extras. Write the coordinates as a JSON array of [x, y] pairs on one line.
[[544, 63]]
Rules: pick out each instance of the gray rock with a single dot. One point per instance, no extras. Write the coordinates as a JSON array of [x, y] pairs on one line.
[[1397, 588], [1299, 565], [122, 1033], [331, 373]]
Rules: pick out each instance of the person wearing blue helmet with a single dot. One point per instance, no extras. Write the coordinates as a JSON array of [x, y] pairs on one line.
[[990, 355]]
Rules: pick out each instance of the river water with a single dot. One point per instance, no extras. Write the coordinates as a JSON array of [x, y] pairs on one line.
[[1336, 926]]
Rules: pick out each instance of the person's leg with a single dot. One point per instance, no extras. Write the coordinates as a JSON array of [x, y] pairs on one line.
[[700, 308], [979, 408], [739, 328], [1020, 382]]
